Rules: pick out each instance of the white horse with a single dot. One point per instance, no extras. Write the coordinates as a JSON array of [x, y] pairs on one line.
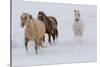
[[34, 30], [78, 26]]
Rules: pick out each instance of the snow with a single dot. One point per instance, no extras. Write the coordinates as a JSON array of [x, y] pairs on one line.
[[67, 48]]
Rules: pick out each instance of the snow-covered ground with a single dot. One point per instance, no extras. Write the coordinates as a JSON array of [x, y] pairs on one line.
[[67, 48]]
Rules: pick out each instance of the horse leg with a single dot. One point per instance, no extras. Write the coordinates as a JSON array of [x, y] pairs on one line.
[[44, 38], [49, 35], [26, 42], [36, 49], [36, 44], [40, 41], [53, 36]]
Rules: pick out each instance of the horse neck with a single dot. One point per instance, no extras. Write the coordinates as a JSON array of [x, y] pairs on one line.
[[45, 19], [28, 23]]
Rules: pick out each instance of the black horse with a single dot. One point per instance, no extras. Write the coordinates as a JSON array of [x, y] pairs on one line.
[[50, 24]]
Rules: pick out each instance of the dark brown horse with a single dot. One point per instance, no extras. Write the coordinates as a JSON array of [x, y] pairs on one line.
[[50, 24]]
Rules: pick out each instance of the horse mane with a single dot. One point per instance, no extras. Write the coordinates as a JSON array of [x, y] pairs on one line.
[[48, 22], [47, 19]]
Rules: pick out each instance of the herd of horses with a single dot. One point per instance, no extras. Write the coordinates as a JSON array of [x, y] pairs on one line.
[[35, 29]]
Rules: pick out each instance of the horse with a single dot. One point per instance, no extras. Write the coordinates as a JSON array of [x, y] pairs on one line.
[[34, 30], [78, 26], [50, 24]]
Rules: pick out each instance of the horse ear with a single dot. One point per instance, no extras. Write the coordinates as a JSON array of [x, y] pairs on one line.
[[74, 10], [30, 16]]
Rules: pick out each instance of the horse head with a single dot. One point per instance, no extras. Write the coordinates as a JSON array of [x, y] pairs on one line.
[[76, 15], [24, 18], [42, 16]]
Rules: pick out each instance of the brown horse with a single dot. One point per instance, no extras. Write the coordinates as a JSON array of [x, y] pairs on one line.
[[34, 30], [50, 24]]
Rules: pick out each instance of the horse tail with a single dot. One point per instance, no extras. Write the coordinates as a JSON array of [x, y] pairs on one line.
[[56, 32], [55, 20]]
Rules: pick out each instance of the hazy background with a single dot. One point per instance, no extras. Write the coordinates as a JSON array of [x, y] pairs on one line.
[[66, 49]]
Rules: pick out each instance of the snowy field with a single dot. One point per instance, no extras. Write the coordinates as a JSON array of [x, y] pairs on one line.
[[67, 48]]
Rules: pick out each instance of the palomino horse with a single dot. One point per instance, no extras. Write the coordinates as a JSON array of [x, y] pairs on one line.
[[50, 24], [34, 30], [78, 26]]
